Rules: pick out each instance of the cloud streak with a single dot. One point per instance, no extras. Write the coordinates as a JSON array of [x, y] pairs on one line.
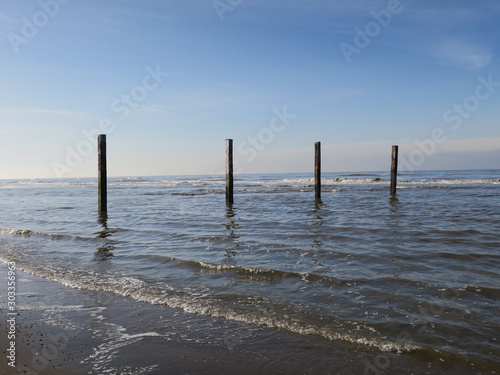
[[40, 111], [6, 19], [152, 108], [462, 53]]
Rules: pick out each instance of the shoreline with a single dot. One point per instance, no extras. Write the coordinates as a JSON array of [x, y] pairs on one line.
[[60, 330]]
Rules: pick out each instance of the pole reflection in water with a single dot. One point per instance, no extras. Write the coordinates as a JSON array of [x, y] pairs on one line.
[[396, 227], [104, 252], [318, 231], [317, 223], [232, 238]]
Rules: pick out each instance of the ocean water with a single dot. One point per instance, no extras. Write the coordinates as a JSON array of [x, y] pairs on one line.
[[412, 278]]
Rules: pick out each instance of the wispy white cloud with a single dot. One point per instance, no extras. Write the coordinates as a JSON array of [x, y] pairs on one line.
[[481, 153], [462, 53], [375, 156], [437, 16], [151, 108], [41, 111], [7, 24], [8, 131], [462, 145], [6, 19], [343, 93], [448, 31]]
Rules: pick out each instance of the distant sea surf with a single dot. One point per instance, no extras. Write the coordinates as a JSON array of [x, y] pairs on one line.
[[416, 275]]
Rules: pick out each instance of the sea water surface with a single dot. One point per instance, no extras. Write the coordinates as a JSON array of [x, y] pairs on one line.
[[415, 275]]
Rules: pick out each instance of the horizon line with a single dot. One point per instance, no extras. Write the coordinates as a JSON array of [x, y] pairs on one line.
[[249, 174]]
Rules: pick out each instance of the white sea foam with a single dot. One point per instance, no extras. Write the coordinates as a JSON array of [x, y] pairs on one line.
[[262, 313]]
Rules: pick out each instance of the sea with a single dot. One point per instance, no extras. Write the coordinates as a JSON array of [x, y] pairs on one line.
[[410, 281]]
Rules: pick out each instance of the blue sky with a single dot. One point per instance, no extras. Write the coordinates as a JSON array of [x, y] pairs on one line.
[[272, 75]]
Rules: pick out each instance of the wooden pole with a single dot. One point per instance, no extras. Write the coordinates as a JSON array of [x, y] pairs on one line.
[[229, 172], [394, 169], [103, 174], [317, 169]]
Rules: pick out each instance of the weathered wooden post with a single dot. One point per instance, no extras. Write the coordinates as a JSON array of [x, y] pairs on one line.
[[317, 169], [229, 171], [394, 169], [103, 174]]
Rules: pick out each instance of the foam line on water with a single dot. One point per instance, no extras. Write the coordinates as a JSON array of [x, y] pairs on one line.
[[52, 236], [247, 310]]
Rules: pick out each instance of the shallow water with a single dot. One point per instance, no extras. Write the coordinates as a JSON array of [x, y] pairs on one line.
[[416, 275]]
